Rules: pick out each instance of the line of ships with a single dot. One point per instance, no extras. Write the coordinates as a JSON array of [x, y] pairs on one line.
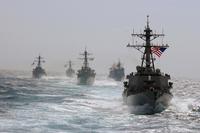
[[85, 75], [147, 87]]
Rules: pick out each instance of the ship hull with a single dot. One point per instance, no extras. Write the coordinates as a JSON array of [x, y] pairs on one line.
[[86, 80], [117, 78], [69, 74], [38, 73], [117, 74], [147, 102]]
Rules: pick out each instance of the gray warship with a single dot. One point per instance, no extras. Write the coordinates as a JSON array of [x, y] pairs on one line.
[[147, 89], [70, 71], [86, 75], [38, 71], [116, 72]]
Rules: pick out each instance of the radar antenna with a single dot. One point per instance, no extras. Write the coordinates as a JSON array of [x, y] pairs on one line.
[[39, 60], [147, 36], [86, 58]]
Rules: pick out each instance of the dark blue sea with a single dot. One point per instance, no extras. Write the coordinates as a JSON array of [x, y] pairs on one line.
[[55, 104]]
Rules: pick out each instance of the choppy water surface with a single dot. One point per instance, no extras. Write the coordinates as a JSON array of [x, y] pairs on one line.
[[56, 104]]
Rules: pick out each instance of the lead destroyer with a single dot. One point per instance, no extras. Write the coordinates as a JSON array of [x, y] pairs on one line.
[[148, 87], [86, 75]]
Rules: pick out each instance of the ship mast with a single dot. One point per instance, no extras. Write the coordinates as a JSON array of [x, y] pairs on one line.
[[86, 58], [147, 36], [119, 64], [70, 64], [39, 61]]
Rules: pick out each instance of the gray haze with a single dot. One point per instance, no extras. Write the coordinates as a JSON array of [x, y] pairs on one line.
[[60, 29]]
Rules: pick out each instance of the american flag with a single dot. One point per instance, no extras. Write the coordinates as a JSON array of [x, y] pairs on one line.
[[158, 50]]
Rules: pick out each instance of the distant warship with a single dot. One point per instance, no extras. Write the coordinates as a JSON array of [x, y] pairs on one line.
[[38, 71], [70, 72], [148, 87], [117, 72], [86, 75]]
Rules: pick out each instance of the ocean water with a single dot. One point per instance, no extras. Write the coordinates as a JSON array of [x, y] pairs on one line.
[[55, 104]]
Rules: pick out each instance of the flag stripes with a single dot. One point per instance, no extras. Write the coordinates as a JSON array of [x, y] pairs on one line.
[[158, 50]]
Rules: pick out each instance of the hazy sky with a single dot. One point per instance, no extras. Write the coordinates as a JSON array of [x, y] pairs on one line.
[[60, 29]]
